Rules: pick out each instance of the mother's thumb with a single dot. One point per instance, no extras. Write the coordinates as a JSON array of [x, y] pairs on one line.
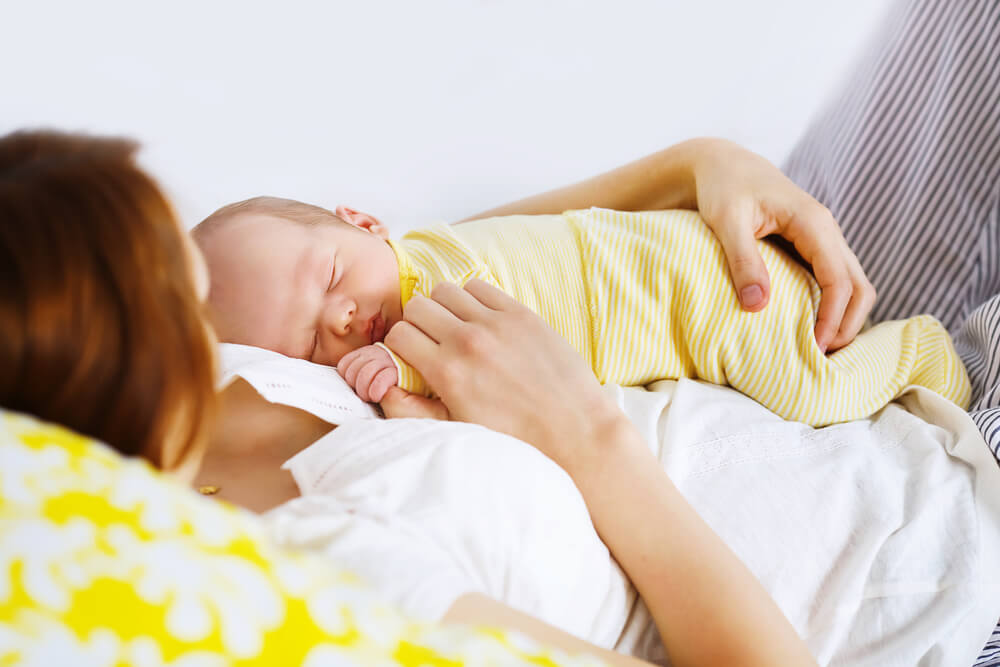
[[398, 403], [746, 268]]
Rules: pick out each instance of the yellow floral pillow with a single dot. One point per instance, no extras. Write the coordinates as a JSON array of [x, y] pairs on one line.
[[105, 562]]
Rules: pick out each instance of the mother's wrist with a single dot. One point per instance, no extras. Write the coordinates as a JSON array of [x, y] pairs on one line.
[[604, 436]]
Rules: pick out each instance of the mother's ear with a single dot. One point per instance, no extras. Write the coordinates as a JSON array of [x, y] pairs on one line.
[[363, 221]]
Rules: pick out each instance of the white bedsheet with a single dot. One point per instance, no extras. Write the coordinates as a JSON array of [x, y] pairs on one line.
[[877, 538]]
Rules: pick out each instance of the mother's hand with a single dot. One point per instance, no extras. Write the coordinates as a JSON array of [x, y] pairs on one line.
[[743, 197], [495, 363]]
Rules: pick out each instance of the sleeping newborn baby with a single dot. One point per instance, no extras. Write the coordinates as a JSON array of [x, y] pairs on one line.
[[642, 296]]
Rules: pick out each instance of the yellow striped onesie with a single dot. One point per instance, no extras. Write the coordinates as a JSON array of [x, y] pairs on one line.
[[647, 296]]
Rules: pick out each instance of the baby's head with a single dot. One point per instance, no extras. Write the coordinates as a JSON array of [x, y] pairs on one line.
[[299, 279]]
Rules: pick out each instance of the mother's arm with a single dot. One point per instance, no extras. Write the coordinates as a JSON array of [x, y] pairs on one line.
[[494, 362], [742, 197]]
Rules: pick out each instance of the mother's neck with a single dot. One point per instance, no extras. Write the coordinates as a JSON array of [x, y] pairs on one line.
[[249, 442]]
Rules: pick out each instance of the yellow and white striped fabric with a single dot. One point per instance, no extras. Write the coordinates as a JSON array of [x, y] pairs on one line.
[[647, 296], [106, 563]]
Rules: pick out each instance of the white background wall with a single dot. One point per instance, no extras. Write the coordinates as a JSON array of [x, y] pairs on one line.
[[420, 111]]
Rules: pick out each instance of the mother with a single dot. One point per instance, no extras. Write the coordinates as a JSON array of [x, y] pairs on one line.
[[102, 332]]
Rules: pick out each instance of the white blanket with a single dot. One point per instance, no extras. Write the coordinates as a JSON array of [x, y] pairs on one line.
[[877, 538]]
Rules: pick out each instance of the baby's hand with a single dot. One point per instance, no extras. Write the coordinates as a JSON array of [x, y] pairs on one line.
[[370, 372]]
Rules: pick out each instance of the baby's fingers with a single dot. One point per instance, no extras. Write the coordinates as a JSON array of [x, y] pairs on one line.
[[367, 374], [349, 366], [384, 379]]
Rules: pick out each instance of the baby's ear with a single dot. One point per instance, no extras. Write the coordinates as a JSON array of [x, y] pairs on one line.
[[364, 221]]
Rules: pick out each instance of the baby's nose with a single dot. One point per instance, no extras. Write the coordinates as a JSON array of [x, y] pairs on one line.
[[339, 315]]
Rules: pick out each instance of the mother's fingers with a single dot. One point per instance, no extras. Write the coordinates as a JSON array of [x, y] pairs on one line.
[[490, 296], [413, 345], [399, 403], [847, 296], [836, 288], [459, 301], [430, 325], [431, 317], [862, 299], [816, 236]]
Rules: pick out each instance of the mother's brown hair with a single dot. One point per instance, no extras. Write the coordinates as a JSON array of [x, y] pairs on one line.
[[101, 329]]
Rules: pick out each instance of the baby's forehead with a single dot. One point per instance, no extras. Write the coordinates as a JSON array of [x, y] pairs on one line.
[[260, 233], [264, 222], [250, 248], [254, 269]]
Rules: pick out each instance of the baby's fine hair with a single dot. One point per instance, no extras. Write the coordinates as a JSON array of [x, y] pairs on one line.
[[279, 207]]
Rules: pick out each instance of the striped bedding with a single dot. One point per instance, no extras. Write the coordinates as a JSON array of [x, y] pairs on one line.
[[907, 157]]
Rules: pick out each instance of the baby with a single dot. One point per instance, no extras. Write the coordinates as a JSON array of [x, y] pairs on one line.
[[642, 296]]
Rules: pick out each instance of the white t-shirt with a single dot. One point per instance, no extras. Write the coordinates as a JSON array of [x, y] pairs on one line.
[[433, 510], [877, 538]]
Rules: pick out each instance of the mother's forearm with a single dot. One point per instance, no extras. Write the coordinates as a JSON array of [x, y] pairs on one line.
[[708, 607], [659, 181]]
